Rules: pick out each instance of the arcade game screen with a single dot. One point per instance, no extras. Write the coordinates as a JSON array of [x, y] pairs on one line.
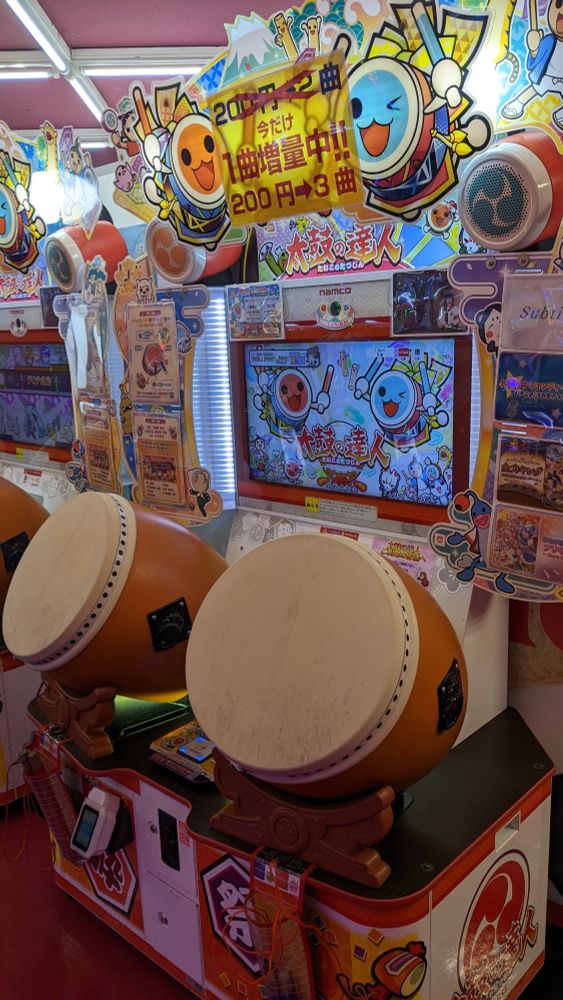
[[370, 419]]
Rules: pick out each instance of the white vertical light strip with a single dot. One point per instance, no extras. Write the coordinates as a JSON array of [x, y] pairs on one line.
[[475, 421], [212, 406]]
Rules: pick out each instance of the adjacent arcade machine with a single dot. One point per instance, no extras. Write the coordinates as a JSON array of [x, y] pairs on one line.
[[36, 433], [21, 516], [345, 806]]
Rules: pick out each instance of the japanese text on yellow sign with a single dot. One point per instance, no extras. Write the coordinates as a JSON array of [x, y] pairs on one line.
[[286, 141]]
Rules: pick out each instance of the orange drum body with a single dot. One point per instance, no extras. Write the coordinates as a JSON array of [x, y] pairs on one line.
[[107, 595], [20, 517], [332, 673]]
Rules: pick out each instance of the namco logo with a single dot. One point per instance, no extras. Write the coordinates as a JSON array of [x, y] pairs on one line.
[[334, 290], [498, 929]]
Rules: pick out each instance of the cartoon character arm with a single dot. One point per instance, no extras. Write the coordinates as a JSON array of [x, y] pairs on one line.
[[430, 402], [446, 76], [446, 82], [152, 152], [322, 401], [362, 388]]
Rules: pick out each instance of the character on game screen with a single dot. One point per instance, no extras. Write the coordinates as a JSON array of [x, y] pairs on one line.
[[405, 404], [33, 425], [438, 486], [396, 973], [258, 454], [286, 399], [488, 322], [476, 537], [389, 482], [293, 470]]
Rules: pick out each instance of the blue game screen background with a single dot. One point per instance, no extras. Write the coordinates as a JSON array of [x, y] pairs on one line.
[[371, 418]]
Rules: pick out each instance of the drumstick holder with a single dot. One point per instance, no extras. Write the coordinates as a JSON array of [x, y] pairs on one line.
[[336, 836]]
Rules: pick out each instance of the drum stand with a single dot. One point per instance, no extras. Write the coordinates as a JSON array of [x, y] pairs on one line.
[[81, 717], [338, 837]]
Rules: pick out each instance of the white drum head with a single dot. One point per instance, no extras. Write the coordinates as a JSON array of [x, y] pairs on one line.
[[302, 656], [69, 579]]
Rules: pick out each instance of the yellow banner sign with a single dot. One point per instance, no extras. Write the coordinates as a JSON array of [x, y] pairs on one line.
[[286, 141]]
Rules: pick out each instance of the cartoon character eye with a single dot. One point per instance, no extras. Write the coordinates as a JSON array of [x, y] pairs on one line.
[[381, 391], [186, 157], [357, 107], [392, 105], [284, 389], [209, 144], [300, 386]]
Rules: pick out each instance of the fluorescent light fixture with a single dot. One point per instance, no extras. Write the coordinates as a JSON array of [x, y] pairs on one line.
[[34, 18], [24, 74], [139, 70], [91, 97], [94, 145]]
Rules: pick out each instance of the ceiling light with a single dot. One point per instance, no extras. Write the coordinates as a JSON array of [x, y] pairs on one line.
[[91, 97], [94, 145], [24, 74], [138, 70], [34, 18]]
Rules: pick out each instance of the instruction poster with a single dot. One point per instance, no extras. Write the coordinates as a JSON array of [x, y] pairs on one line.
[[153, 347], [159, 457]]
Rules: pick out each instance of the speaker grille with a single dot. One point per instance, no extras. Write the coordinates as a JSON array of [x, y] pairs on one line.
[[497, 202], [61, 265]]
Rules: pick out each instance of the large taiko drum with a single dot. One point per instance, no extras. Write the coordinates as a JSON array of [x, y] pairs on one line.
[[318, 666], [20, 517], [106, 595]]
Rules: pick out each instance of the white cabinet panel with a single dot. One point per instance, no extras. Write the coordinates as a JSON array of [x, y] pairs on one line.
[[165, 846], [172, 926]]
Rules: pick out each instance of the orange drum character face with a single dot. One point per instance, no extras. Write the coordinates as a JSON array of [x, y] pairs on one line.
[[441, 217], [195, 162], [294, 393]]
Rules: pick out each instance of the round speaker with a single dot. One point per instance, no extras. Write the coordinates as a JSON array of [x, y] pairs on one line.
[[67, 251], [176, 262], [511, 195]]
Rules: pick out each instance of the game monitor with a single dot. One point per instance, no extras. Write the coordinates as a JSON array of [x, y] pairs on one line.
[[381, 422]]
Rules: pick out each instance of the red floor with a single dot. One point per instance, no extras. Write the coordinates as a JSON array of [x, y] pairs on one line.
[[53, 949]]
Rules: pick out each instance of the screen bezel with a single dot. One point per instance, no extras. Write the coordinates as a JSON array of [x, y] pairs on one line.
[[396, 510]]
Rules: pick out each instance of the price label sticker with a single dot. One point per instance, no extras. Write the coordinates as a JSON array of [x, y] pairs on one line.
[[312, 505]]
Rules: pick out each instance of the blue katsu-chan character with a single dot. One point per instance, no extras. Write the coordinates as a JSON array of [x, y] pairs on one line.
[[544, 66], [405, 408], [476, 537]]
